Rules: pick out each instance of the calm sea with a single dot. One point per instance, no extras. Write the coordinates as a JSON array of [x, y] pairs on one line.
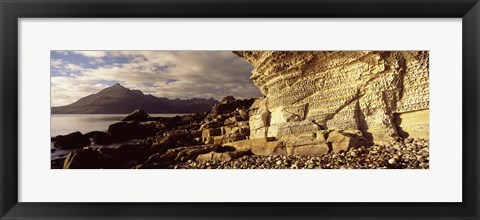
[[62, 124]]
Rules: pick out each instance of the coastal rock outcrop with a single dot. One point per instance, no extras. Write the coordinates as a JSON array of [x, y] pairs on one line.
[[227, 122], [137, 116], [71, 141], [358, 109], [384, 95], [122, 131], [125, 156]]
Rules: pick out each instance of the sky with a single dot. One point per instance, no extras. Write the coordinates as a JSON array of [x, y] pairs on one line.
[[171, 74]]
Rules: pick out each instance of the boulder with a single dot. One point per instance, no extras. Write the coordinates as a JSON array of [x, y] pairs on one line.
[[174, 139], [312, 149], [57, 163], [343, 140], [214, 156], [122, 131], [71, 141], [192, 152], [229, 105], [91, 134], [171, 156], [137, 116], [260, 146], [227, 99], [91, 158], [223, 156], [221, 149], [127, 152], [102, 138], [131, 164]]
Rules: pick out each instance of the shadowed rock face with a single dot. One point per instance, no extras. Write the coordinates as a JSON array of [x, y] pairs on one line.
[[382, 94]]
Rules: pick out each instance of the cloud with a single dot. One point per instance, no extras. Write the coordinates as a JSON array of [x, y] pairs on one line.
[[74, 67], [97, 61], [56, 63], [171, 74], [91, 53], [62, 52]]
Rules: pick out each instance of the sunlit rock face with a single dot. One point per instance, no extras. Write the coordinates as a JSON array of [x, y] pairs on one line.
[[382, 94]]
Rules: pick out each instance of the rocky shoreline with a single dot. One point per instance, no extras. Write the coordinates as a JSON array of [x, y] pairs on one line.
[[414, 154], [220, 139]]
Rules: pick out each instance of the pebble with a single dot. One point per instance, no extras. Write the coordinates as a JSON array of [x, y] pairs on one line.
[[411, 154], [392, 161]]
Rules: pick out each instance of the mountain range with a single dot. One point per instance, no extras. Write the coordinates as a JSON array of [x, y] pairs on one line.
[[117, 99]]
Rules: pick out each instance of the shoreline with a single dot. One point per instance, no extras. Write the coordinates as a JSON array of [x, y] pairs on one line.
[[220, 139]]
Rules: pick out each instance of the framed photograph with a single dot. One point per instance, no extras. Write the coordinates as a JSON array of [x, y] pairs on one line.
[[248, 110]]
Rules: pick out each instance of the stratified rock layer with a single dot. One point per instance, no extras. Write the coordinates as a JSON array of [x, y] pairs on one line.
[[382, 94]]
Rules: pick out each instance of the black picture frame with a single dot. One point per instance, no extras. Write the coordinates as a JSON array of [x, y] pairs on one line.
[[12, 10]]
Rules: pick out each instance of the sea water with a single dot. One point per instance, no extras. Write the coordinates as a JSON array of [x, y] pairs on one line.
[[63, 124]]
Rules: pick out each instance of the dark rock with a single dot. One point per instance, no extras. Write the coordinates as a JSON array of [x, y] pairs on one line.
[[137, 116], [122, 131], [92, 158], [139, 152], [102, 138], [221, 149], [57, 163], [186, 122], [85, 158], [71, 141], [227, 99], [131, 164], [175, 139], [229, 105], [91, 134], [176, 155]]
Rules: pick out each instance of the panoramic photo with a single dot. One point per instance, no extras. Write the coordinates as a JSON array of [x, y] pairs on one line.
[[239, 109]]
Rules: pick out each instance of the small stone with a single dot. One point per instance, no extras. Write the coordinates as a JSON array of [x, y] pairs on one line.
[[423, 165], [392, 161]]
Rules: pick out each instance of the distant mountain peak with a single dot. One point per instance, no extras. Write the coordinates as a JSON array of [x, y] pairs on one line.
[[117, 85], [118, 99], [116, 88]]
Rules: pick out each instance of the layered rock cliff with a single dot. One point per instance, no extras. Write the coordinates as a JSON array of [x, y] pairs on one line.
[[383, 95]]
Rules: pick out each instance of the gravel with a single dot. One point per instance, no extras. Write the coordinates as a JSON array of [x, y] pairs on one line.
[[407, 154]]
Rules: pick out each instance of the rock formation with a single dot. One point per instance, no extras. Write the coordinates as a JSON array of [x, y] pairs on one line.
[[227, 122], [383, 95], [361, 109]]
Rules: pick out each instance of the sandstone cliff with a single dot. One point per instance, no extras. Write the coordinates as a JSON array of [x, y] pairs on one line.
[[382, 94]]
